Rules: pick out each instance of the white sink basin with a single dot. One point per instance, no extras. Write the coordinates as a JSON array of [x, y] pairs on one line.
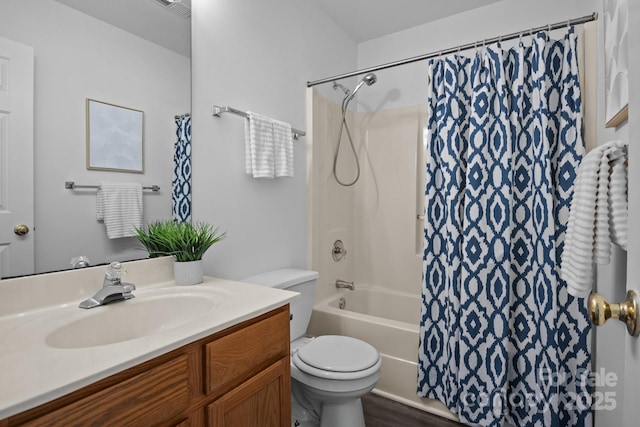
[[151, 313], [128, 320]]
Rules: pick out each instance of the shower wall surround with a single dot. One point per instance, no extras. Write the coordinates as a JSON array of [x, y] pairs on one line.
[[377, 218]]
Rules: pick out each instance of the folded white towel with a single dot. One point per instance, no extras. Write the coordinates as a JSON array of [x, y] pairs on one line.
[[597, 217], [259, 146], [283, 148], [119, 205]]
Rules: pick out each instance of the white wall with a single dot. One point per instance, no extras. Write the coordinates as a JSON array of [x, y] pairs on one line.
[[79, 57], [256, 56]]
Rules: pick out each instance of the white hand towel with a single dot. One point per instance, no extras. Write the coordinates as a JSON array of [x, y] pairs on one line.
[[259, 146], [119, 205], [283, 148], [597, 217]]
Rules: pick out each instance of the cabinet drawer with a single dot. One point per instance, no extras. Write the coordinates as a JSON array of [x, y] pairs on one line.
[[145, 399], [233, 358]]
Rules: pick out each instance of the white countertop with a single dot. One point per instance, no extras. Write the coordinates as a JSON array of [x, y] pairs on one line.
[[33, 373]]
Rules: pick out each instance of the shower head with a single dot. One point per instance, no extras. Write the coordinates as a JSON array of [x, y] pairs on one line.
[[369, 79]]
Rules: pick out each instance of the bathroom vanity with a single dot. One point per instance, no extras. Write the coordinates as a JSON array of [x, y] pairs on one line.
[[227, 365]]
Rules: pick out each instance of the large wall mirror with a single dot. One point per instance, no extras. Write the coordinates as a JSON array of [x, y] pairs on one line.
[[133, 53]]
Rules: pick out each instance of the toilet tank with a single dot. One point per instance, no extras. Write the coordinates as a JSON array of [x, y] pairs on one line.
[[296, 280]]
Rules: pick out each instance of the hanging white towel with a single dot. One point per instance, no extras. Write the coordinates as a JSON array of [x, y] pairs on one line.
[[283, 148], [598, 215], [259, 146], [619, 202], [119, 205]]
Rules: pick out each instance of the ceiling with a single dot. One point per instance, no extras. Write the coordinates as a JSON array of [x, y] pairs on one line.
[[361, 19], [150, 19], [369, 19]]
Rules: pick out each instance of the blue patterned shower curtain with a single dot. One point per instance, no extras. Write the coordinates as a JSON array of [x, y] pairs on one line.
[[501, 341], [181, 191]]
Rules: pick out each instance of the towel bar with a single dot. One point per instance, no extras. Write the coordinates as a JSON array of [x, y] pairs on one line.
[[71, 185], [217, 111]]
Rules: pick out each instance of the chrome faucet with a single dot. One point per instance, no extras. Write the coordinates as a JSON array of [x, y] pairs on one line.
[[344, 284], [113, 289]]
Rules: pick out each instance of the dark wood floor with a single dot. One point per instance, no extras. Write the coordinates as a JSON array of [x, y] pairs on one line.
[[381, 412]]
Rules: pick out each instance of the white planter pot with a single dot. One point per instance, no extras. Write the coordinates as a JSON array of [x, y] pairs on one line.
[[188, 273]]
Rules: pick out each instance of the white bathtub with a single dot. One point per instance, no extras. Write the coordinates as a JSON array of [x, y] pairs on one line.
[[389, 321]]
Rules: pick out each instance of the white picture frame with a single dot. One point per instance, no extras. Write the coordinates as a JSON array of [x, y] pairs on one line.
[[115, 137], [616, 53]]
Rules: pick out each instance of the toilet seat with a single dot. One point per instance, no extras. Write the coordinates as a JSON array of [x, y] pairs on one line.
[[337, 357]]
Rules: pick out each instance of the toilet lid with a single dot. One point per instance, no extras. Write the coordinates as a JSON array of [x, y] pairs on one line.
[[338, 354]]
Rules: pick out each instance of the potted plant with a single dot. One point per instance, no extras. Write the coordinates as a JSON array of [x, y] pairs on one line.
[[186, 242]]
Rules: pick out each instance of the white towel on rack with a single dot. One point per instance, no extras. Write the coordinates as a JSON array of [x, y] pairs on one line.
[[598, 215], [259, 146], [283, 148], [119, 205], [619, 203]]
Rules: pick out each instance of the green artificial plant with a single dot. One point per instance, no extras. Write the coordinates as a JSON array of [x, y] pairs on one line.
[[184, 241]]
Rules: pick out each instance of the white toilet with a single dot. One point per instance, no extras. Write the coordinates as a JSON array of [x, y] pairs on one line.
[[329, 373]]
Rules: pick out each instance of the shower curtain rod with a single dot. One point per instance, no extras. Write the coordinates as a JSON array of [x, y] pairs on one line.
[[549, 27]]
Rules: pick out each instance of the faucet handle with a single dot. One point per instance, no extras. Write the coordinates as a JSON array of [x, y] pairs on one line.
[[113, 274]]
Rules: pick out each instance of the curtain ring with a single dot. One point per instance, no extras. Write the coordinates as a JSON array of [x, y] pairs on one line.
[[568, 23]]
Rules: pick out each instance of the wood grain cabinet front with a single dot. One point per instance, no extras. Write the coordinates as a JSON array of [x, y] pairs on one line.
[[237, 356], [258, 402], [236, 377], [149, 398]]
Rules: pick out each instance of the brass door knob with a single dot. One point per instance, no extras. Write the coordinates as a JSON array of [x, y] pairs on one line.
[[21, 229], [627, 311]]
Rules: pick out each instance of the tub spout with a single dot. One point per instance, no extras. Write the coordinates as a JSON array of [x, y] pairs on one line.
[[344, 284]]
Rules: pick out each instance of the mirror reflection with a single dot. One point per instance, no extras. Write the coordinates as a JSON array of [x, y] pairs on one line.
[[123, 52]]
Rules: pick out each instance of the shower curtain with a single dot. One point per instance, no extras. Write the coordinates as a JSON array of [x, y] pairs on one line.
[[501, 341], [181, 184]]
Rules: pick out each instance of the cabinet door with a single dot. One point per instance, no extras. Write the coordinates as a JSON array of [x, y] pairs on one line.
[[262, 401]]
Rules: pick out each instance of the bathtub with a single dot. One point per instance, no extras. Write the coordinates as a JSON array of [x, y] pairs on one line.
[[389, 321]]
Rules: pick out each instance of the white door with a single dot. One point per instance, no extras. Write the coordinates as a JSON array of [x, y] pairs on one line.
[[16, 158], [618, 353]]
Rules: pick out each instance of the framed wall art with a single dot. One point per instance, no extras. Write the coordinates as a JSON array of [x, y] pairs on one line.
[[115, 137], [616, 53]]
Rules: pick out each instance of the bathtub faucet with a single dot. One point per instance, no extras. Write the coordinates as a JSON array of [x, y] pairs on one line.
[[344, 284]]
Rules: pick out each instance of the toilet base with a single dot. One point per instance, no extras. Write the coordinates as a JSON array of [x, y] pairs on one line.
[[343, 414]]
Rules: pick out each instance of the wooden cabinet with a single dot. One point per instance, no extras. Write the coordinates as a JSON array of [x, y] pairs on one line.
[[256, 401], [237, 377]]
